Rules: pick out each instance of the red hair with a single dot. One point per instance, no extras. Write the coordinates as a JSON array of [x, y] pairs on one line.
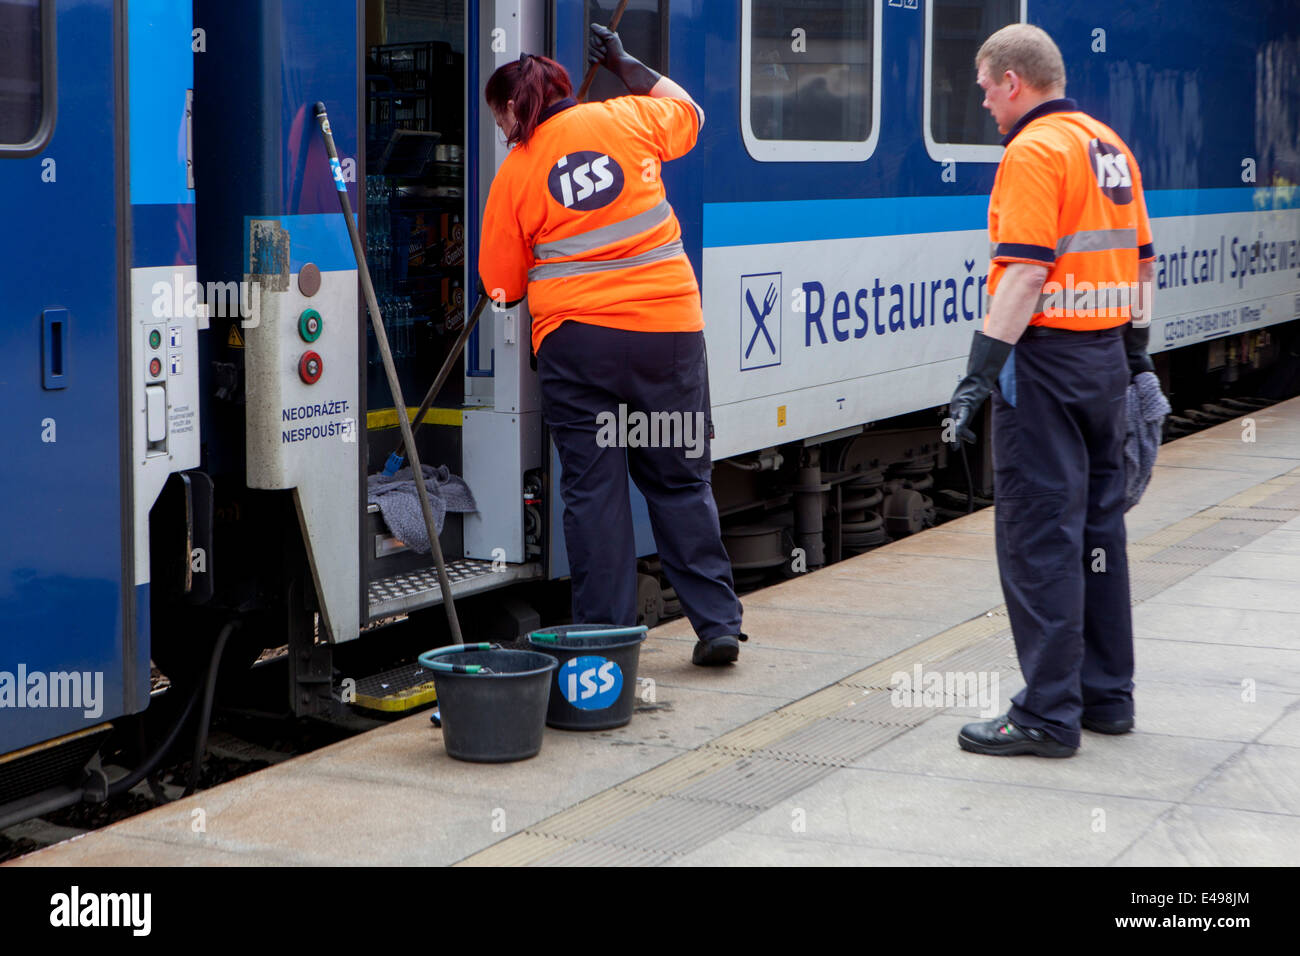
[[532, 82]]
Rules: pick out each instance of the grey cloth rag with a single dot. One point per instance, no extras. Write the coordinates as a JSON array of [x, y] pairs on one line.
[[399, 502], [1147, 408]]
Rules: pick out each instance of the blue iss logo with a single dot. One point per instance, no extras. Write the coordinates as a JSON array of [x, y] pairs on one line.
[[590, 683]]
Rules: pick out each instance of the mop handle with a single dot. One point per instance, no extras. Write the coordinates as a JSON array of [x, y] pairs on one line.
[[381, 337], [585, 88]]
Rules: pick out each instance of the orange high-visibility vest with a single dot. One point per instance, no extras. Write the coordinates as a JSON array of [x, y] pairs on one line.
[[578, 218], [1068, 195]]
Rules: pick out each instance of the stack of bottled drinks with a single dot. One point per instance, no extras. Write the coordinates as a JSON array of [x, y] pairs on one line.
[[379, 233]]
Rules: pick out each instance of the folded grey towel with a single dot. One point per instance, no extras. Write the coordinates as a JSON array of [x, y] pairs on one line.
[[399, 502], [1147, 408]]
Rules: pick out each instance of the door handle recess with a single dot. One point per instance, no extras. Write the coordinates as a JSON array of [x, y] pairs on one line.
[[54, 348]]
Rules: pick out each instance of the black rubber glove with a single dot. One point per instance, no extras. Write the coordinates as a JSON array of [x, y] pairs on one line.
[[987, 356], [605, 47], [1135, 346]]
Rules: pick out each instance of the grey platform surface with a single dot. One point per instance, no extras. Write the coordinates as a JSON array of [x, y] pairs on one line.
[[799, 754]]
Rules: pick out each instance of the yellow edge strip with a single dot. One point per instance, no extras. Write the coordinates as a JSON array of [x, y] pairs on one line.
[[57, 741], [387, 417], [406, 700]]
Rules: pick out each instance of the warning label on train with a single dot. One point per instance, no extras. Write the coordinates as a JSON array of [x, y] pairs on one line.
[[321, 420]]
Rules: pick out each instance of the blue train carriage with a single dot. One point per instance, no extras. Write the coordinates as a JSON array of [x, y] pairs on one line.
[[99, 364], [844, 251], [842, 257], [834, 210]]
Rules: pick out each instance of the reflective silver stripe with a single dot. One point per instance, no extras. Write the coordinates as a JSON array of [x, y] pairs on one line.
[[1097, 240], [558, 270], [595, 238]]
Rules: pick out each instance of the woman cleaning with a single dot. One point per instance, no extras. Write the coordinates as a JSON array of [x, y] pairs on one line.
[[578, 219]]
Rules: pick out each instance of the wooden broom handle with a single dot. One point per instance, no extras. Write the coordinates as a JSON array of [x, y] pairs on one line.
[[585, 88]]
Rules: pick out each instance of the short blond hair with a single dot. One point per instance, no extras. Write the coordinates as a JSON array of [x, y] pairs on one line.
[[1028, 51]]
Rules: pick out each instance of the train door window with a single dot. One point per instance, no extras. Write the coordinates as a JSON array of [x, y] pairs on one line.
[[957, 127], [644, 32], [810, 79], [415, 186], [26, 76]]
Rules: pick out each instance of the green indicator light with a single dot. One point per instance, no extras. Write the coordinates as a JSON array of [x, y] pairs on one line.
[[155, 339], [310, 325]]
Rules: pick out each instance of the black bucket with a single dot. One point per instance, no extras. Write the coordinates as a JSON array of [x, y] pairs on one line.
[[595, 684], [492, 701]]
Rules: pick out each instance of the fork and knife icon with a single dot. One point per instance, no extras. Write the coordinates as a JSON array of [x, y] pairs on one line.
[[760, 317]]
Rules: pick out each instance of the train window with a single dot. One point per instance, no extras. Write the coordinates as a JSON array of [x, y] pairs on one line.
[[26, 75], [957, 127], [810, 79], [644, 32]]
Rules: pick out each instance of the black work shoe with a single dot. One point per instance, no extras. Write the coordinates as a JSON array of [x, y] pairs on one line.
[[717, 651], [1002, 738], [1108, 726]]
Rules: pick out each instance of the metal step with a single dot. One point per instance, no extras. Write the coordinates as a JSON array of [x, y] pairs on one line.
[[402, 688], [413, 590]]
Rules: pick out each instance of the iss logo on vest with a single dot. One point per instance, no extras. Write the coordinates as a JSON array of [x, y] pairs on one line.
[[1111, 168], [585, 180]]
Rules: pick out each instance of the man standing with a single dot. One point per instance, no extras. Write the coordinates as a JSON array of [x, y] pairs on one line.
[[1072, 262]]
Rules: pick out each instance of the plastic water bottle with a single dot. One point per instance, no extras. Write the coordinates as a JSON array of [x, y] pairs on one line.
[[394, 326], [408, 323], [405, 322]]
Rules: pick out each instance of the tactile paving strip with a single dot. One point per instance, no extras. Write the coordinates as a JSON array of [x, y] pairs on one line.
[[1148, 578], [758, 782], [690, 800]]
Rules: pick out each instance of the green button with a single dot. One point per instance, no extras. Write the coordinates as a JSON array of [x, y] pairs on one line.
[[310, 325], [155, 339]]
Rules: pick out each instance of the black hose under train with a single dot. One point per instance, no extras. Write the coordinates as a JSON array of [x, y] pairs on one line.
[[123, 784]]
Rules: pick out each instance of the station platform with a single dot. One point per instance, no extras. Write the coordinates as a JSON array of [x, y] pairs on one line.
[[800, 754]]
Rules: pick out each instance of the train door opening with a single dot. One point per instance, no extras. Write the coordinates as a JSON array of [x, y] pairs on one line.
[[419, 198], [413, 125]]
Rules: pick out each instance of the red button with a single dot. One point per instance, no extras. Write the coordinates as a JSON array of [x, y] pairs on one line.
[[310, 367], [155, 368]]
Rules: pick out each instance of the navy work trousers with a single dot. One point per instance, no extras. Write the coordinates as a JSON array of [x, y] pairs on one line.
[[1058, 464], [586, 370]]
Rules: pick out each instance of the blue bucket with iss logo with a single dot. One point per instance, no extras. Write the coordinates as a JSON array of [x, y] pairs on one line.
[[595, 684]]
